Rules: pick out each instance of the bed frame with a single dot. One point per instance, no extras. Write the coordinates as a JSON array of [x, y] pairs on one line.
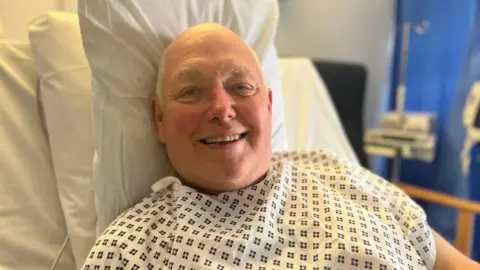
[[346, 83]]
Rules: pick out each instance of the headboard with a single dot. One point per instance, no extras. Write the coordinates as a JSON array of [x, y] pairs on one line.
[[346, 84]]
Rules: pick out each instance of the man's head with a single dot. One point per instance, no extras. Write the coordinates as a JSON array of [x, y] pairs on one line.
[[214, 112]]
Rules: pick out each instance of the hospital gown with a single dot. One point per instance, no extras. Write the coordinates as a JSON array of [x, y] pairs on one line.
[[312, 211]]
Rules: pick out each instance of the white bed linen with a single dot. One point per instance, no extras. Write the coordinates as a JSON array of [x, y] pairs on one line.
[[311, 119], [64, 77], [32, 226]]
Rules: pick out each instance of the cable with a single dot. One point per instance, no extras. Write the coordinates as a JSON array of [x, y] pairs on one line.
[[65, 242]]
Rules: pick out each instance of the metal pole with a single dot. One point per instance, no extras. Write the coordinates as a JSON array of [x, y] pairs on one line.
[[396, 167], [401, 89], [401, 93]]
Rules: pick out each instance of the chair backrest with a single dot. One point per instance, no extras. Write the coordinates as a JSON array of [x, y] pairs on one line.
[[466, 213], [346, 83]]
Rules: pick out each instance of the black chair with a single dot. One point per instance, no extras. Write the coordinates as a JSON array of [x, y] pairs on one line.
[[346, 84]]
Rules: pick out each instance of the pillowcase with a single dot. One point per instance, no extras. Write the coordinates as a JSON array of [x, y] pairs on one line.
[[32, 227], [124, 41], [65, 88]]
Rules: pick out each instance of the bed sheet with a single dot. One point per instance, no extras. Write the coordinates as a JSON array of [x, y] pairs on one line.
[[311, 119], [31, 219]]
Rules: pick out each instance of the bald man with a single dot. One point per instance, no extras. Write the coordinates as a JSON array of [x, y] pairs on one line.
[[213, 112], [234, 205]]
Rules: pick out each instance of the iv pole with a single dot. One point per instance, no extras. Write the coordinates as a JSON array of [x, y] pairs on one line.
[[400, 98], [402, 89]]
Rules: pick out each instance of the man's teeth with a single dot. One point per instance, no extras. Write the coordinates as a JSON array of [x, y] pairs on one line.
[[223, 139]]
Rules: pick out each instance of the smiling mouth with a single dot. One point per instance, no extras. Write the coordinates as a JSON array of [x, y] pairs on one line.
[[224, 139]]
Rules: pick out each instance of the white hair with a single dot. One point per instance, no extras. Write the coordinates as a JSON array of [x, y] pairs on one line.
[[160, 75], [163, 63]]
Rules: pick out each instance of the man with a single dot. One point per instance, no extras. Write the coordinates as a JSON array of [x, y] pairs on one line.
[[234, 205]]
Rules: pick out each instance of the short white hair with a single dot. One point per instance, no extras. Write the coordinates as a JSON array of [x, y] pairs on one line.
[[160, 75], [163, 63]]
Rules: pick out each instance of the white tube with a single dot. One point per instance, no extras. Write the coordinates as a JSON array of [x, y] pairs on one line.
[[64, 245]]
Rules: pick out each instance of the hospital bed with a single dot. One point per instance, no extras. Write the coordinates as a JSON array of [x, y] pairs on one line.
[[46, 200], [346, 84]]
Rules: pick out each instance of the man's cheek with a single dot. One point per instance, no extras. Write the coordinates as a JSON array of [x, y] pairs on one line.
[[259, 114], [184, 124]]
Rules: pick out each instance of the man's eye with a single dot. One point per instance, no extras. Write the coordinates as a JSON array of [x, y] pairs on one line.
[[188, 95], [243, 89], [188, 92]]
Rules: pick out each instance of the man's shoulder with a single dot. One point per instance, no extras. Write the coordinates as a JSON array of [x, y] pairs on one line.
[[138, 218], [314, 159], [120, 243], [321, 166]]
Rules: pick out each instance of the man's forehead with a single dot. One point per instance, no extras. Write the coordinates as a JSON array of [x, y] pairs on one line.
[[193, 58]]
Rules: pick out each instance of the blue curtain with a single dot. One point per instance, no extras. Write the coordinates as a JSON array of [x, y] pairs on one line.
[[472, 74], [439, 77], [474, 186]]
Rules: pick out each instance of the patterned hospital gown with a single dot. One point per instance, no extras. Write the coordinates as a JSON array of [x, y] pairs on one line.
[[312, 211]]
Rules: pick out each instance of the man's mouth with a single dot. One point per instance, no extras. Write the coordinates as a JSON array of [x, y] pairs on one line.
[[224, 139]]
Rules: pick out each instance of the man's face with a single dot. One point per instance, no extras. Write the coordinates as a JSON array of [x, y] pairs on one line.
[[215, 113]]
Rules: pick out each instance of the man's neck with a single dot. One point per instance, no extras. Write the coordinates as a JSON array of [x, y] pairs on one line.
[[229, 186]]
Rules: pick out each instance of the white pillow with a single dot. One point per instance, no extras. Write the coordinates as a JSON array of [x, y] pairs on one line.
[[32, 226], [65, 88], [124, 41]]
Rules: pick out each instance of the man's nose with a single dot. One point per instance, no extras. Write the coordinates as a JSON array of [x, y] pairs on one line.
[[221, 106]]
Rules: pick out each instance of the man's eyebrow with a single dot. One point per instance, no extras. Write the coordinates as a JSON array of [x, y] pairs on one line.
[[189, 74], [192, 74], [241, 71]]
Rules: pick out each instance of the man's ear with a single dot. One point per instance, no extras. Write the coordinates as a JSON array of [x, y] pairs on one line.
[[270, 99], [157, 111]]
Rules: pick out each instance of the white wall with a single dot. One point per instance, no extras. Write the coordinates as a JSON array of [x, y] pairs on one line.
[[343, 30], [16, 14], [70, 5], [1, 29]]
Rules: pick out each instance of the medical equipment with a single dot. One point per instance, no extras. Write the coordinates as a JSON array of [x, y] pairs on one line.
[[471, 114], [471, 121], [412, 121], [470, 155], [403, 134]]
